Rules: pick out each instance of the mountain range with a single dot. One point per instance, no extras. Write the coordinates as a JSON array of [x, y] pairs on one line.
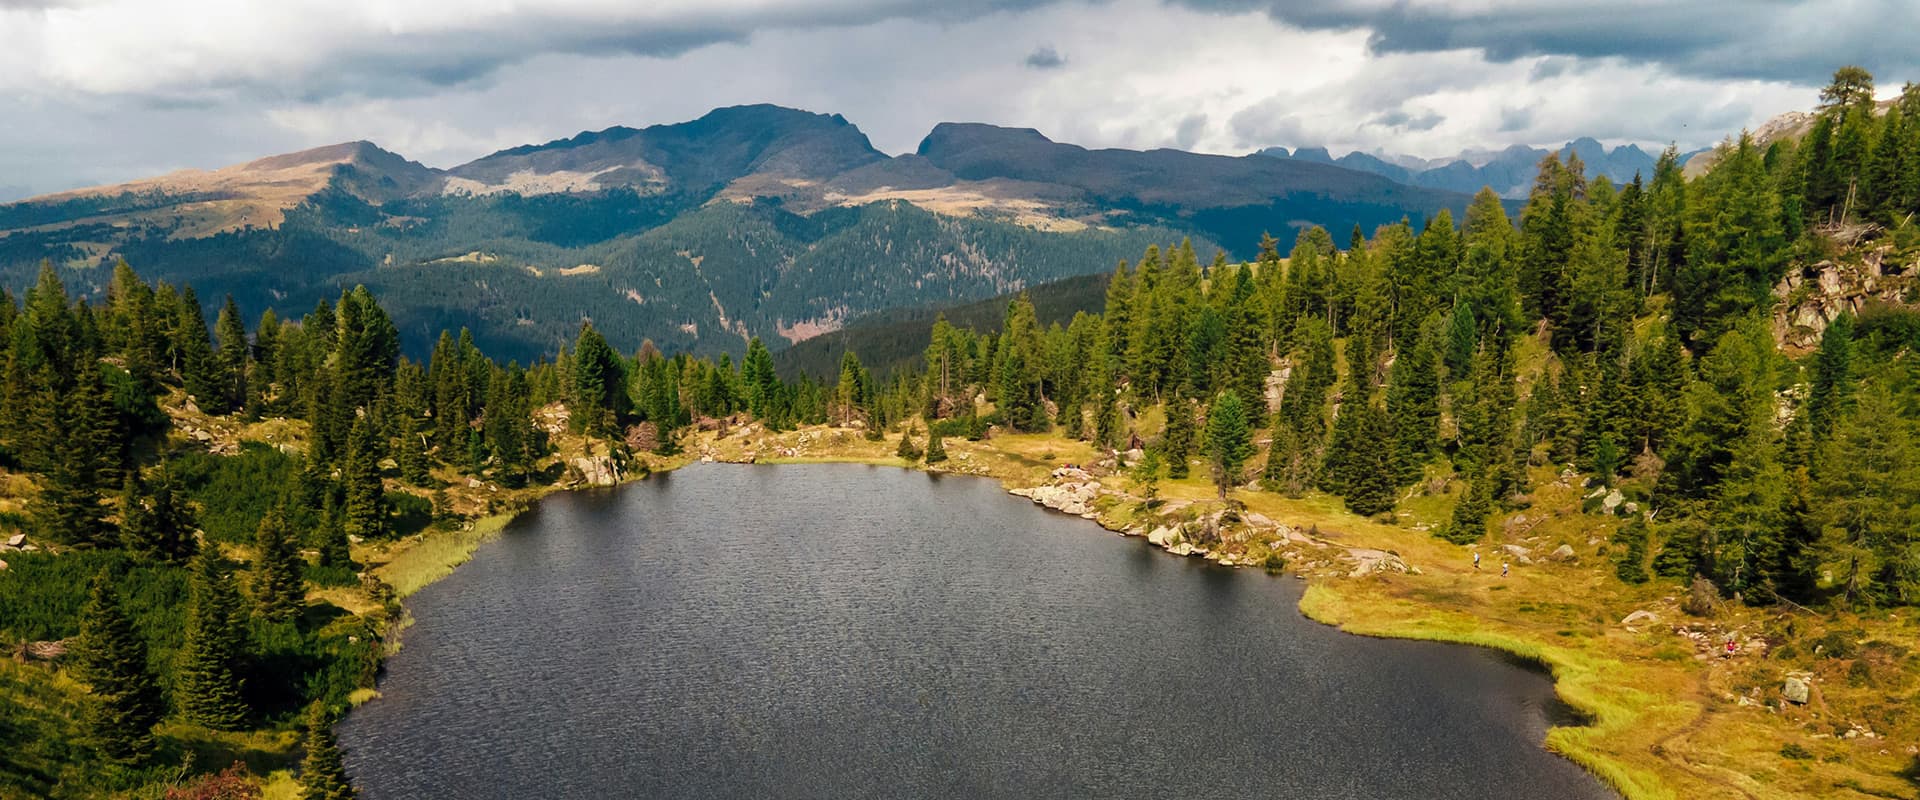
[[749, 221], [1509, 172]]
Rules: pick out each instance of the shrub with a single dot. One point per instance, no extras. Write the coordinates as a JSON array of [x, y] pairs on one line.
[[1794, 751], [1703, 598]]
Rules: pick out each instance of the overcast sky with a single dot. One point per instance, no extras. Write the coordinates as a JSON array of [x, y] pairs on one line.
[[96, 91]]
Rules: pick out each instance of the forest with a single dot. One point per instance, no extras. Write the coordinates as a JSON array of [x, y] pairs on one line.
[[1622, 333]]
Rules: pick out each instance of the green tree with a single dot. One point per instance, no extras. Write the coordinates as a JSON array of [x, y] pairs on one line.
[[1369, 483], [936, 448], [123, 699], [207, 685], [1630, 551], [1177, 443], [366, 498], [1229, 443], [233, 357], [599, 384], [156, 524], [278, 587], [323, 773]]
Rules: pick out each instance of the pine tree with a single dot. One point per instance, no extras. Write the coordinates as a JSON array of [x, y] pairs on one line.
[[1177, 442], [278, 588], [1413, 403], [366, 498], [123, 702], [907, 449], [599, 385], [207, 685], [156, 524], [1369, 483], [412, 454], [331, 538], [1630, 551], [323, 773], [232, 360], [1468, 524], [1833, 378], [1229, 443], [936, 448]]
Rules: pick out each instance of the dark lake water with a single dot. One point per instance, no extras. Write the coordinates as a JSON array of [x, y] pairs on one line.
[[849, 632]]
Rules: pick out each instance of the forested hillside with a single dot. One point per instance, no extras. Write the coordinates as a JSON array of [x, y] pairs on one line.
[[750, 221]]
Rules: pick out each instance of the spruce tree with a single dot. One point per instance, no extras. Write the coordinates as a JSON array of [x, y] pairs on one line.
[[323, 773], [936, 448], [156, 523], [1833, 379], [907, 449], [278, 587], [1369, 484], [123, 699], [233, 357], [1468, 524], [1177, 442], [1630, 551], [331, 538], [366, 498], [1229, 444], [207, 684]]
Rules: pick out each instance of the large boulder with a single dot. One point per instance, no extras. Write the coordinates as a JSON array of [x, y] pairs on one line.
[[1519, 554], [1562, 553], [1796, 691]]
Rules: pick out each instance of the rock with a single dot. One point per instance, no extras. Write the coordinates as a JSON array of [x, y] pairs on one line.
[[1642, 615], [1630, 509], [17, 540], [1612, 502], [1518, 553], [1796, 691], [1181, 549], [1562, 553], [598, 470], [3, 566], [1372, 562]]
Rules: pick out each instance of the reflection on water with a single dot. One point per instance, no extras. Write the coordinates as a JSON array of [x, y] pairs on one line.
[[852, 632]]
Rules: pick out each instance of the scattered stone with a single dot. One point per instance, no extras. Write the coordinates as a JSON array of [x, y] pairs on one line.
[[1181, 549], [1640, 616], [1796, 691], [17, 540], [1520, 555], [3, 565], [1562, 553], [1612, 502]]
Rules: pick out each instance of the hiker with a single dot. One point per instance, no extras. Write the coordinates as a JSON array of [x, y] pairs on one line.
[[1503, 569], [1476, 559], [1731, 647]]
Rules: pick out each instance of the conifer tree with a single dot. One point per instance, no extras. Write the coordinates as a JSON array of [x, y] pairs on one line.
[[1833, 378], [366, 499], [907, 449], [1468, 524], [278, 588], [599, 385], [232, 359], [123, 699], [1413, 403], [936, 448], [331, 538], [1177, 443], [1368, 487], [156, 523], [323, 773], [1229, 443], [411, 454], [207, 684], [1630, 551]]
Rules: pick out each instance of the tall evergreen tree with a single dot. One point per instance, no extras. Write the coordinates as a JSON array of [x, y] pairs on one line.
[[323, 773], [1229, 442], [207, 685], [123, 699], [278, 587]]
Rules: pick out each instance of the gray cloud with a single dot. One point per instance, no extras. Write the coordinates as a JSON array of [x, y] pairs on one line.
[[1045, 57], [1189, 132], [1801, 41], [1515, 119], [1410, 121]]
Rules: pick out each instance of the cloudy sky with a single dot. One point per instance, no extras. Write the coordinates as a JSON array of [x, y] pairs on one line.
[[95, 91]]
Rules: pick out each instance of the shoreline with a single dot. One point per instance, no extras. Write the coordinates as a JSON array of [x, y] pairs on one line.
[[1654, 726]]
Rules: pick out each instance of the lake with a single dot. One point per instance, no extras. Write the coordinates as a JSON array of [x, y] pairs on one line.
[[846, 631]]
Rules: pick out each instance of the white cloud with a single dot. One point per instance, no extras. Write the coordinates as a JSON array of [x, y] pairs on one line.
[[101, 90]]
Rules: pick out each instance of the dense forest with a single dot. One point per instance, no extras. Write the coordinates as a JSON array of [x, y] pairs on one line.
[[1618, 333], [1621, 332]]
